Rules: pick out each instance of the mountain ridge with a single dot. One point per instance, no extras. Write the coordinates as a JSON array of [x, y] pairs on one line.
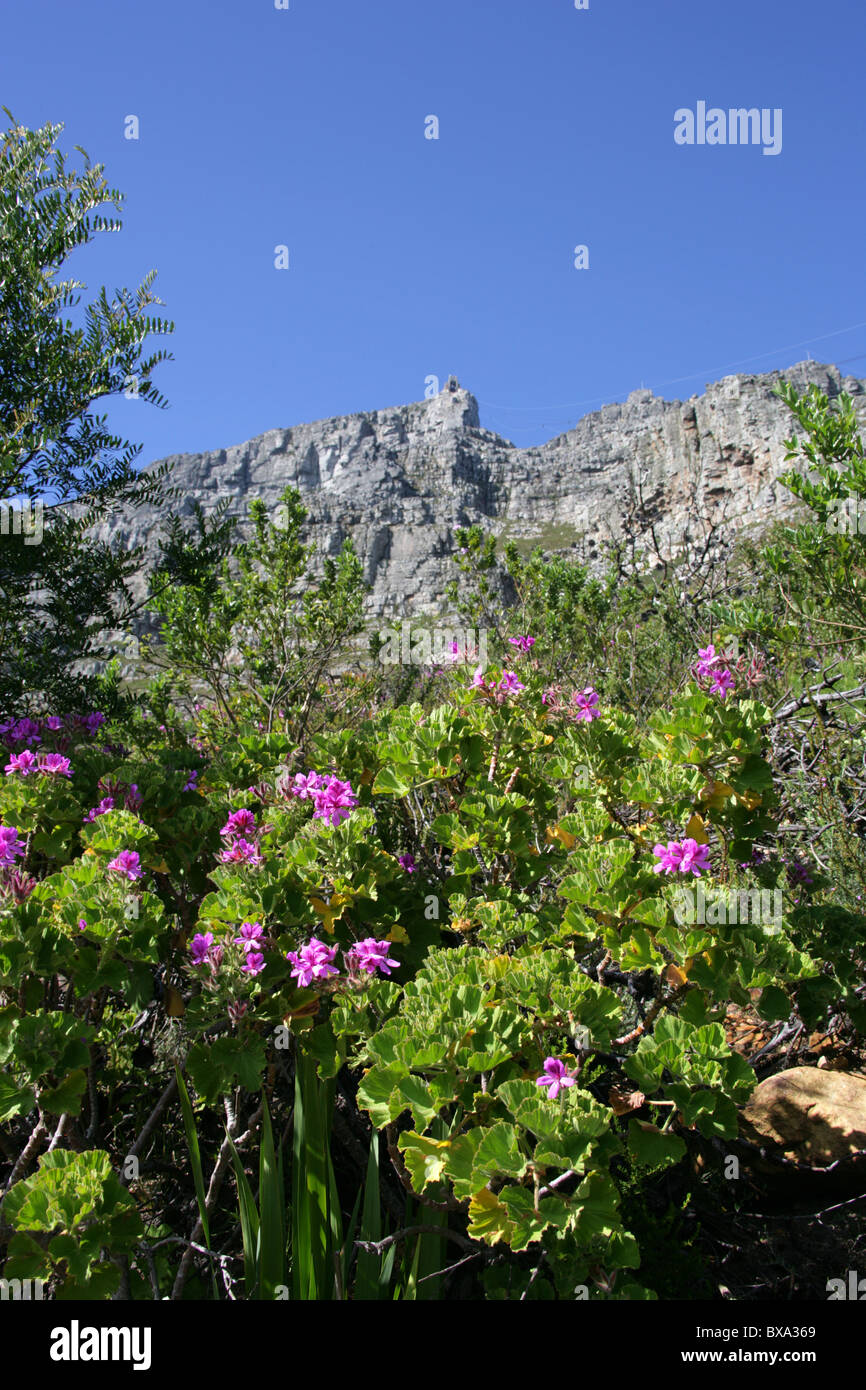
[[400, 480]]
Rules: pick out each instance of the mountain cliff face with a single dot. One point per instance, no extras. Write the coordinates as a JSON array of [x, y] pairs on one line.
[[400, 481]]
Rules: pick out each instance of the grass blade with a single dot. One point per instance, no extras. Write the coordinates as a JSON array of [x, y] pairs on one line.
[[249, 1218], [195, 1164], [272, 1271]]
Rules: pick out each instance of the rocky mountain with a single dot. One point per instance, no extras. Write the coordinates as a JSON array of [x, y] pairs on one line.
[[400, 481]]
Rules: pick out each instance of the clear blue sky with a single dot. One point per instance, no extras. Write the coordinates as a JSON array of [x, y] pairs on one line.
[[411, 257]]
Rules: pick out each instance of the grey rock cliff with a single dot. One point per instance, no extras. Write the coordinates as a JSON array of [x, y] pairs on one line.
[[400, 481]]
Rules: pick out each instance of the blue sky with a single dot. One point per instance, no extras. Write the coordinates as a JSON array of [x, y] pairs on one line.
[[412, 257]]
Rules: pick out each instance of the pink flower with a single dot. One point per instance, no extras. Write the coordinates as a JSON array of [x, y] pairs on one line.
[[510, 684], [22, 763], [371, 955], [407, 862], [24, 731], [477, 682], [312, 962], [200, 947], [251, 934], [334, 801], [522, 643], [241, 852], [723, 682], [55, 765], [306, 787], [92, 722], [707, 659], [105, 805], [681, 858], [586, 701], [555, 1077], [127, 863], [239, 823], [254, 963], [53, 723]]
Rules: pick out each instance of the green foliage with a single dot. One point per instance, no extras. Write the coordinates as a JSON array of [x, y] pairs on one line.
[[531, 923], [59, 588]]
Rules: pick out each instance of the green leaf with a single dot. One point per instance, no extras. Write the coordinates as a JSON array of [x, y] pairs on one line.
[[649, 1146]]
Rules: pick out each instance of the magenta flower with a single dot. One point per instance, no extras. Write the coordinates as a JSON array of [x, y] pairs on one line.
[[54, 765], [510, 684], [334, 801], [53, 723], [555, 1076], [25, 731], [586, 701], [191, 784], [681, 858], [105, 805], [477, 682], [407, 862], [371, 955], [523, 644], [251, 934], [200, 947], [722, 683], [707, 659], [241, 852], [133, 798], [312, 962], [306, 787], [239, 823], [92, 722], [22, 763], [254, 963], [82, 925], [10, 845], [128, 864]]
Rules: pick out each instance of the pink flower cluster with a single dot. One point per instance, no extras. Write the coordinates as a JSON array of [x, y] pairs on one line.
[[682, 857], [332, 799], [241, 835], [710, 666], [508, 685], [19, 731], [582, 708], [115, 794], [50, 764], [205, 951], [11, 848], [523, 644], [314, 961], [127, 863]]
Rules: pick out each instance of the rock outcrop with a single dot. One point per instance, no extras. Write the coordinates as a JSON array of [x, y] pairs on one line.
[[400, 481], [810, 1114]]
